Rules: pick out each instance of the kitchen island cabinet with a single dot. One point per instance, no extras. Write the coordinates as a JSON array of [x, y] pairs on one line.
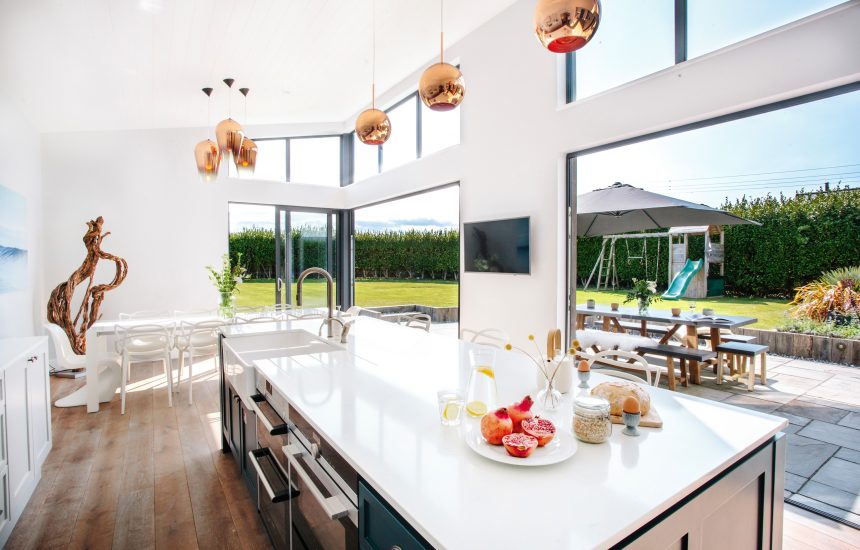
[[711, 477]]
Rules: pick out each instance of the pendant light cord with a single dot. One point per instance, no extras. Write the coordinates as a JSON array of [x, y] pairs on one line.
[[441, 31], [373, 62]]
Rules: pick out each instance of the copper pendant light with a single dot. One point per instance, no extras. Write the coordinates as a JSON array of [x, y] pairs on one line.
[[441, 86], [246, 158], [372, 126], [228, 132], [564, 26], [206, 153]]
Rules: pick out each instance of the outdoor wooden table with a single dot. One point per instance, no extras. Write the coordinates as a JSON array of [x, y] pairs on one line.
[[691, 322]]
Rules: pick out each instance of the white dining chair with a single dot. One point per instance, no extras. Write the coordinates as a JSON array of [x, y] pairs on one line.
[[140, 315], [258, 319], [199, 314], [277, 310], [67, 359], [195, 340], [619, 374], [421, 321], [494, 337], [144, 343], [626, 360]]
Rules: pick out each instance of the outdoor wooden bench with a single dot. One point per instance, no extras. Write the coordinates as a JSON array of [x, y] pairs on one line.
[[683, 354], [742, 357], [728, 337]]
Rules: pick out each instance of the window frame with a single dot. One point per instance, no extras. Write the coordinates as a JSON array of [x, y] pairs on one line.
[[571, 174], [681, 40], [345, 159]]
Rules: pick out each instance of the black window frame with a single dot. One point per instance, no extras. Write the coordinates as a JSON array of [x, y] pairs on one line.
[[344, 158], [571, 174]]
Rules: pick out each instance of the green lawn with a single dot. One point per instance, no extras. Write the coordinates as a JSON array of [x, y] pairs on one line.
[[367, 293], [769, 312]]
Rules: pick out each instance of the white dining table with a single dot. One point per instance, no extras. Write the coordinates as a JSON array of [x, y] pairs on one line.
[[97, 355]]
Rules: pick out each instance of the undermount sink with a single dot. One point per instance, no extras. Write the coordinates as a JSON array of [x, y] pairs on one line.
[[285, 343]]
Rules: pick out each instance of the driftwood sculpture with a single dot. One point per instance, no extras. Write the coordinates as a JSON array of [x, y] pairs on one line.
[[60, 302]]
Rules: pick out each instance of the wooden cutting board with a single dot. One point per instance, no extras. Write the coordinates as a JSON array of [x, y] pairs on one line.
[[650, 420]]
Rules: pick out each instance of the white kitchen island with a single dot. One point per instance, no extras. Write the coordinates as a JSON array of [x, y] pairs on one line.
[[712, 477]]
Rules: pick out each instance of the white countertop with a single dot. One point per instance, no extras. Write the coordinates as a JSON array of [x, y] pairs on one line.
[[376, 404]]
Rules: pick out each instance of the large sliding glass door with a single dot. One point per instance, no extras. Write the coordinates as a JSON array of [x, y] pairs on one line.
[[277, 243], [305, 238]]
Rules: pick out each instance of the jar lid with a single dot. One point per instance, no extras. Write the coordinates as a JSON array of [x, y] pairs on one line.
[[592, 404]]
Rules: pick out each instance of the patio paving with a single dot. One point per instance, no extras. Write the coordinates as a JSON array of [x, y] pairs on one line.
[[821, 402]]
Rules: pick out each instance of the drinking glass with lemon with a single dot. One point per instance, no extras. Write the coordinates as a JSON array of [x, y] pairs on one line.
[[450, 406]]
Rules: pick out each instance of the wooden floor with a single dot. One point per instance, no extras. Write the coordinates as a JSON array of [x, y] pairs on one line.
[[156, 478]]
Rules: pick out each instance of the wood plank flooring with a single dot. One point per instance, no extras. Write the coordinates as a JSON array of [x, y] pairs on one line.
[[156, 478], [153, 478]]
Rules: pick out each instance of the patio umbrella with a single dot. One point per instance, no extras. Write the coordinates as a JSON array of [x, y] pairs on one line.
[[621, 208]]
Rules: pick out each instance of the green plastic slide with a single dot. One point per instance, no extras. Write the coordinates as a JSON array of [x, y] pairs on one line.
[[682, 279]]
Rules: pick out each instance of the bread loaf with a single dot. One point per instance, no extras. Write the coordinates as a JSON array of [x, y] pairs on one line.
[[617, 391]]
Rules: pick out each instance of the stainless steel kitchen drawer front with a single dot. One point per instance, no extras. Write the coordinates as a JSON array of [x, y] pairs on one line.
[[380, 527]]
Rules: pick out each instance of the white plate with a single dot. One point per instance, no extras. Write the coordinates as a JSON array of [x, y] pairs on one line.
[[562, 447]]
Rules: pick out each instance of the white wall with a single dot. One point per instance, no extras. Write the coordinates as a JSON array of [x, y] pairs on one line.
[[515, 134], [163, 220], [20, 172]]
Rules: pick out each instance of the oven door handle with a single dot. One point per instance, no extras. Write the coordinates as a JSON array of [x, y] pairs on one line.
[[280, 429], [280, 496], [333, 506]]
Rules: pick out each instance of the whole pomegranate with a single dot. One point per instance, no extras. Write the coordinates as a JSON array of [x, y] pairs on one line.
[[521, 411], [496, 425]]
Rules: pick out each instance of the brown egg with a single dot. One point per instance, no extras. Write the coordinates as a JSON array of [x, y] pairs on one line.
[[583, 366], [631, 405]]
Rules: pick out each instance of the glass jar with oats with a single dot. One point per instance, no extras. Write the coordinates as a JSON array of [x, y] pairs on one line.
[[591, 419]]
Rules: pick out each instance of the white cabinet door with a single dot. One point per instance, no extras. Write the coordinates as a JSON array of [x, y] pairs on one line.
[[39, 390], [21, 462]]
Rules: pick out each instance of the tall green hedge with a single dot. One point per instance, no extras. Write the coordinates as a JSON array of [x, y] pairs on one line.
[[386, 254], [799, 239]]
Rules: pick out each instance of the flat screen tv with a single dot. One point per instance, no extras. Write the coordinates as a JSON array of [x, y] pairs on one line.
[[498, 246]]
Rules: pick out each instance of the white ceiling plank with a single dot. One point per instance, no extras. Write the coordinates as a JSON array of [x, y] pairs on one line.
[[125, 64]]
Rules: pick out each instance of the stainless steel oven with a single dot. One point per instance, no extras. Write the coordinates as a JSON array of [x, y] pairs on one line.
[[306, 494]]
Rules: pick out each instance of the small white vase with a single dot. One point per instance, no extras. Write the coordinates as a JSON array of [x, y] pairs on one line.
[[563, 381]]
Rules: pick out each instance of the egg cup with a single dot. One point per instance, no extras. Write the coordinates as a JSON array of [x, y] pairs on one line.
[[583, 378], [631, 423]]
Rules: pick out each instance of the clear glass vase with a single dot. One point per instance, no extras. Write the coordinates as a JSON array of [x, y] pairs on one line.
[[227, 305], [643, 306], [549, 398]]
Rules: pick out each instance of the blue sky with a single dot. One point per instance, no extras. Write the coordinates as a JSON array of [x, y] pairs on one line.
[[781, 151]]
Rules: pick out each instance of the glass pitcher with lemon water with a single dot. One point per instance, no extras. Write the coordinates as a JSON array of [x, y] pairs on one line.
[[481, 393]]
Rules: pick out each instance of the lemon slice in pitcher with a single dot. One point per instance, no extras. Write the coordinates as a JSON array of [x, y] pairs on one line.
[[476, 408], [488, 371]]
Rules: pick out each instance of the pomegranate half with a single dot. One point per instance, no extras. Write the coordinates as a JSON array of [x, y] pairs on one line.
[[540, 428], [519, 445]]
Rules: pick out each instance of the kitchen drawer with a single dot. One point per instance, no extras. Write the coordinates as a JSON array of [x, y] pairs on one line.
[[380, 527], [341, 467]]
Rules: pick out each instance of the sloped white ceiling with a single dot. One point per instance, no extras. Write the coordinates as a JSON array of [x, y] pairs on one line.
[[121, 64]]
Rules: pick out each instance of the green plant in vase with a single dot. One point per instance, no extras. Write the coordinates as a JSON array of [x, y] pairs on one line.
[[644, 292], [227, 281]]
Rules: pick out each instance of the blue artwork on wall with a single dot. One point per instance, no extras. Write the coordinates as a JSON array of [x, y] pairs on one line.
[[13, 241]]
